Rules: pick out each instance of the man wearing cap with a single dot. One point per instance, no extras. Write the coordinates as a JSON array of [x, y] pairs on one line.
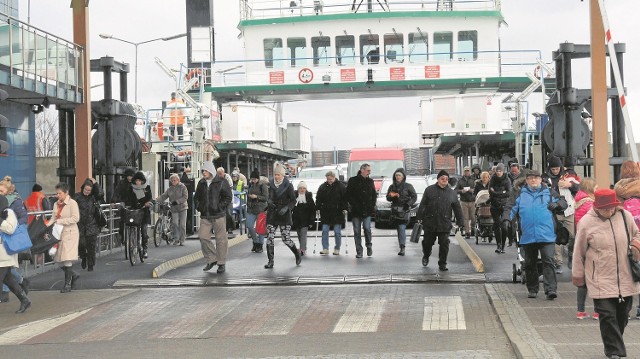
[[465, 188], [518, 179], [361, 196], [332, 204], [535, 207], [213, 196], [435, 212], [605, 236], [567, 183]]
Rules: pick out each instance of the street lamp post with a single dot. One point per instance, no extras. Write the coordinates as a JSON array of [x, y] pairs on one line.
[[136, 44]]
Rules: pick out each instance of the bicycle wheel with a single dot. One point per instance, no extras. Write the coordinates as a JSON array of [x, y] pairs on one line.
[[133, 245], [125, 241], [158, 232], [169, 232], [139, 245]]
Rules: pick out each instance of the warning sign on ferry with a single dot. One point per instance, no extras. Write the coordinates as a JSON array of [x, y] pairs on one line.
[[347, 75], [432, 72], [276, 77], [396, 73], [305, 75]]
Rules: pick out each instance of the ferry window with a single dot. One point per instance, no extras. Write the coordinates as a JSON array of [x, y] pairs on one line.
[[321, 50], [393, 48], [443, 46], [418, 47], [273, 53], [467, 46], [369, 49], [297, 50], [345, 50]]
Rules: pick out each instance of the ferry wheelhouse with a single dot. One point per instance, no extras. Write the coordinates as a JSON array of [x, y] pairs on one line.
[[320, 49]]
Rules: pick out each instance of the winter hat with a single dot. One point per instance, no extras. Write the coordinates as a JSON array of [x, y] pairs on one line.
[[500, 167], [209, 167], [254, 174], [467, 168], [129, 172], [302, 184], [234, 174], [4, 203], [139, 176], [443, 173], [555, 162], [36, 188], [279, 169], [605, 198], [533, 173]]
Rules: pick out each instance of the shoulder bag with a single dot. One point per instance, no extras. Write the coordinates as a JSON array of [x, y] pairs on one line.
[[261, 224], [635, 266], [562, 234], [101, 218], [18, 241], [416, 233]]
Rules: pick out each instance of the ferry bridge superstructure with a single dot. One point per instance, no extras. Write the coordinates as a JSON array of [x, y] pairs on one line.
[[338, 49]]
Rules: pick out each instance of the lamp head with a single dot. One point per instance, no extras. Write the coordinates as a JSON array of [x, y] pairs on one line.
[[106, 36]]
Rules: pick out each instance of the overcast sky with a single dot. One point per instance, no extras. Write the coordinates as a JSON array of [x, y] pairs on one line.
[[532, 24]]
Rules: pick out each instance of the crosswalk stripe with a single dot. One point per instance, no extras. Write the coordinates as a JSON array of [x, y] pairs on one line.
[[125, 321], [362, 315], [282, 319], [197, 320], [30, 330], [443, 313]]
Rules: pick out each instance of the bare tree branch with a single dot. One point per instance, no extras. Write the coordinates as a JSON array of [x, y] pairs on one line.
[[47, 136]]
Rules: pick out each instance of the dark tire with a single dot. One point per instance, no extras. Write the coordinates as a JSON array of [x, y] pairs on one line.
[[514, 275], [169, 236], [157, 233], [132, 239], [125, 235]]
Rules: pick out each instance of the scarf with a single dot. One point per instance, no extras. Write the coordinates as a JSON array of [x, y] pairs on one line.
[[278, 183], [61, 205], [139, 190], [302, 198]]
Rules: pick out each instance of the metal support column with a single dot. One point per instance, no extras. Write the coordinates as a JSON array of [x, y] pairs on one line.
[[84, 163], [619, 137]]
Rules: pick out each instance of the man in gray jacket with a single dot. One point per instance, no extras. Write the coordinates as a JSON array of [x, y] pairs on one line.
[[213, 196]]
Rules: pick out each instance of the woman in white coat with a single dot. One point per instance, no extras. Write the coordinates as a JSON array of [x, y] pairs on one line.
[[8, 225], [67, 214]]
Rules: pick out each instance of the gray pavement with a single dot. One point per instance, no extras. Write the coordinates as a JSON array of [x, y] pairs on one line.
[[300, 312]]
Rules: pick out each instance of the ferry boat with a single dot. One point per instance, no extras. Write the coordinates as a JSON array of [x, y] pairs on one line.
[[324, 49]]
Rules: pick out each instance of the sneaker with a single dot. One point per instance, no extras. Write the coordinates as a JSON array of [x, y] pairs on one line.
[[369, 251], [336, 252], [221, 269], [209, 266], [582, 315], [425, 261], [552, 295], [145, 254], [358, 255], [559, 269], [532, 295], [324, 252], [595, 316]]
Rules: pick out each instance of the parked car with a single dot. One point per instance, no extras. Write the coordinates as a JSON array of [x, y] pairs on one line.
[[315, 176], [383, 207]]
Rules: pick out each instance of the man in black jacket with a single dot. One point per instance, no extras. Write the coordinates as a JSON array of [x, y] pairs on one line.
[[361, 197], [213, 196], [435, 211], [465, 188]]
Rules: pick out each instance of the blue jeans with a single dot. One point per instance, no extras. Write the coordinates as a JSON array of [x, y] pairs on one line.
[[357, 232], [402, 234], [16, 275], [337, 229], [251, 226]]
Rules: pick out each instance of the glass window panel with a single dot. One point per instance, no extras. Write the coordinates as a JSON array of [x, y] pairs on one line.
[[273, 53], [345, 50], [443, 46], [321, 46], [394, 48], [467, 45], [418, 47], [369, 49], [297, 51]]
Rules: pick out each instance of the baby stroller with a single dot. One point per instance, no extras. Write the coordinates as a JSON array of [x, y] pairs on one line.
[[518, 269], [484, 220]]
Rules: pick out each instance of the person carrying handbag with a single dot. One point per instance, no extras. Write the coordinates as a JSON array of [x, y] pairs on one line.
[[257, 196], [402, 196]]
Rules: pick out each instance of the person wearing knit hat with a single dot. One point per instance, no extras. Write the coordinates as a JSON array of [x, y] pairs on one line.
[[303, 214], [37, 202], [257, 196], [566, 182], [212, 198], [438, 201], [402, 196], [281, 201], [465, 186], [442, 173], [500, 191]]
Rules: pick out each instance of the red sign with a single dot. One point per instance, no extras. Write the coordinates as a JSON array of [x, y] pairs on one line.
[[347, 75], [396, 73], [276, 77], [305, 75], [432, 72]]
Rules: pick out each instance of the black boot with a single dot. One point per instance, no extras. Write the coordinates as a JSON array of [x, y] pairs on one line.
[[83, 264], [24, 302], [269, 257], [74, 278], [253, 249], [25, 285], [67, 280], [294, 249], [401, 253], [259, 248], [4, 297]]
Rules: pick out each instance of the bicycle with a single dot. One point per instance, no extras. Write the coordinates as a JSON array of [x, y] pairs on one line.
[[133, 222], [164, 227]]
